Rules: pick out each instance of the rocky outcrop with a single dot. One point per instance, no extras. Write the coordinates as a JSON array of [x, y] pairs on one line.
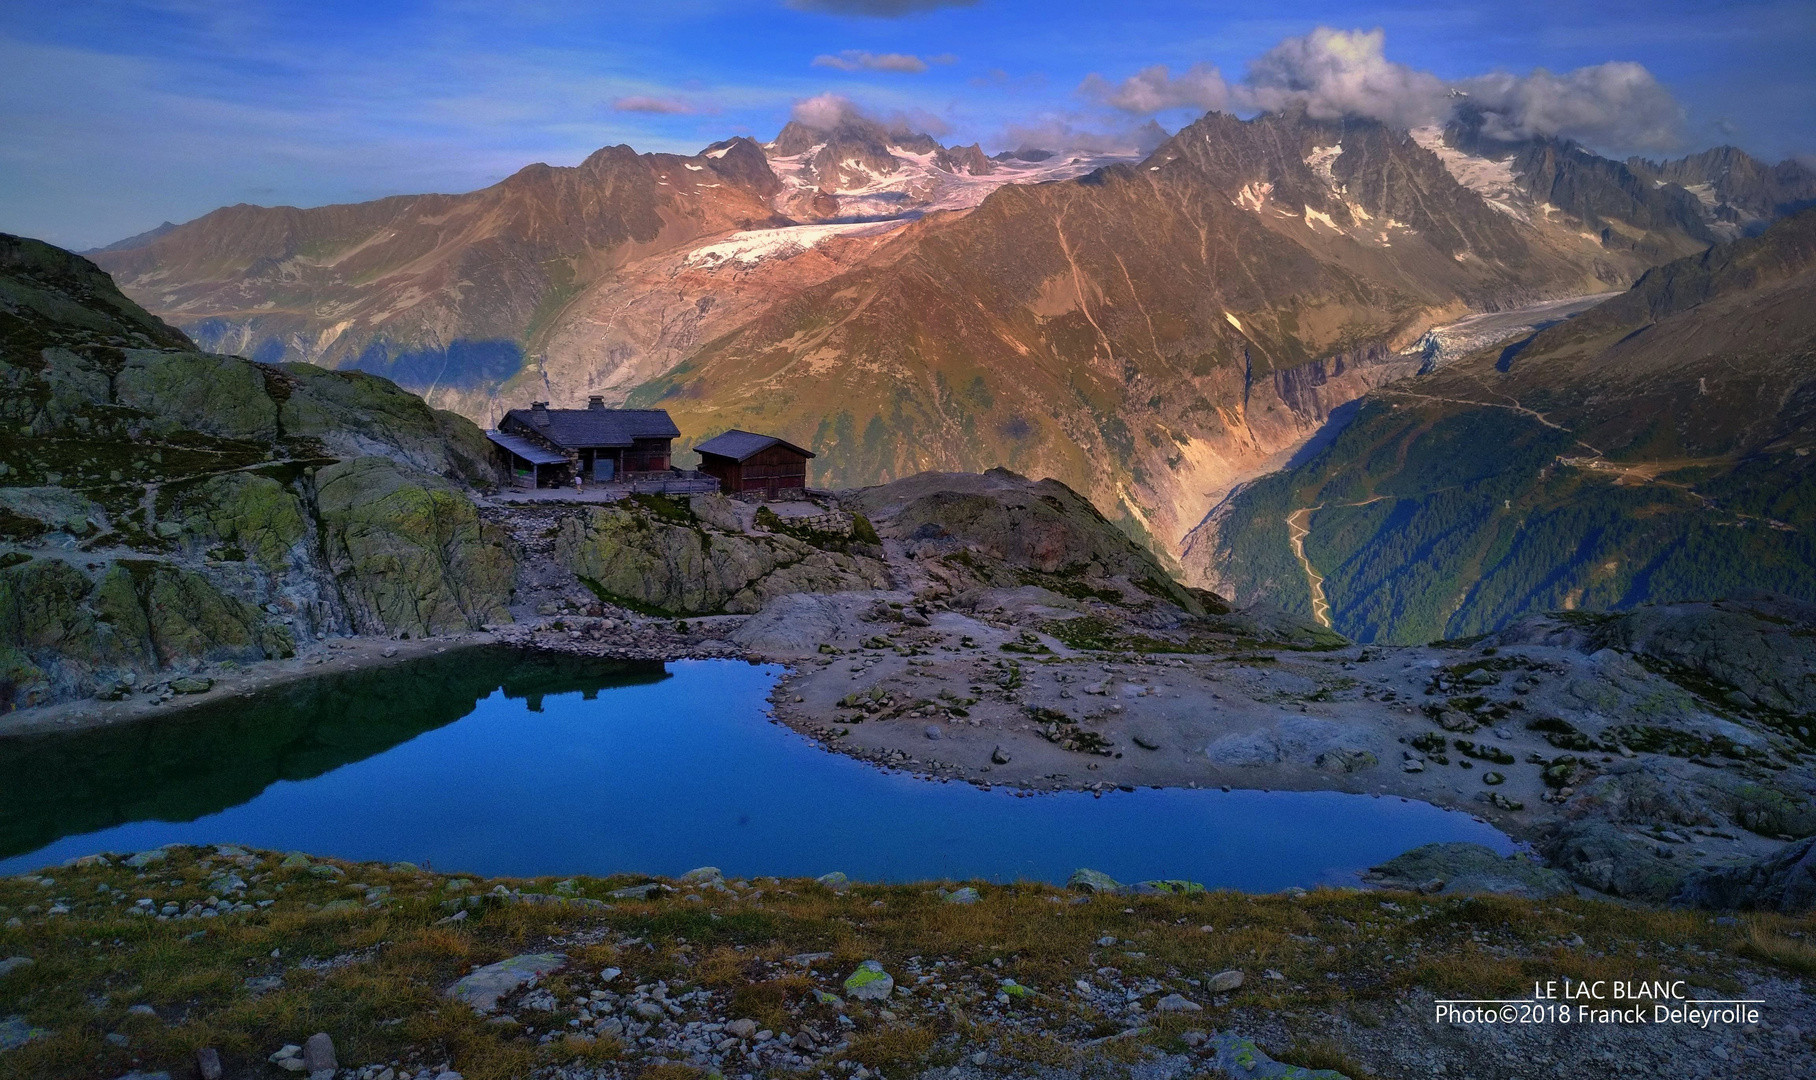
[[659, 556], [1754, 651], [1612, 860], [1783, 882], [1453, 869], [163, 508], [409, 551], [66, 633], [1032, 527], [798, 625]]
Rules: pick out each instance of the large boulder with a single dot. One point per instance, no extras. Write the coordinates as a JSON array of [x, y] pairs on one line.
[[193, 391], [354, 414], [482, 989], [1785, 881]]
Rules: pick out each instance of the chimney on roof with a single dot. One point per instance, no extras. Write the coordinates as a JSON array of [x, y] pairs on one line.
[[539, 412], [597, 401]]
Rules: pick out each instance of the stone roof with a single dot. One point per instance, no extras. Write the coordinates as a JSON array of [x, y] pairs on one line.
[[740, 445]]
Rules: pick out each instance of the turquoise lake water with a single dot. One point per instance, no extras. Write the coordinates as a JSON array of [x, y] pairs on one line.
[[500, 762]]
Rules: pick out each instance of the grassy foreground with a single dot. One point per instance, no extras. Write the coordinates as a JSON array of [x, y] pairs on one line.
[[1032, 973]]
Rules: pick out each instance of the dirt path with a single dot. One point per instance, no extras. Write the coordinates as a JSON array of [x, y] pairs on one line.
[[1298, 526]]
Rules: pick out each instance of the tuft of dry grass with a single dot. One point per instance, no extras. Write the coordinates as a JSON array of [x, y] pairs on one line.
[[1770, 940], [1315, 1054]]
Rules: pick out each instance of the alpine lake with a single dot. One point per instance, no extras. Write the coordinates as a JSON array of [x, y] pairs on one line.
[[504, 762]]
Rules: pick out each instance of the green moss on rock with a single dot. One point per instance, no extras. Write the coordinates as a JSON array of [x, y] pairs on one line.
[[409, 551]]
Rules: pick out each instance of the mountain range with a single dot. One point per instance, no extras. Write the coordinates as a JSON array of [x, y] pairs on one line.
[[1153, 332], [1654, 449]]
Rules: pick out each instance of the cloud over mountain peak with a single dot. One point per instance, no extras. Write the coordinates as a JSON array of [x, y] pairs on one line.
[[1332, 73]]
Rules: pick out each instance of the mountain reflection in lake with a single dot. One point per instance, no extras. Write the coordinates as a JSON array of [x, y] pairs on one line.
[[502, 762]]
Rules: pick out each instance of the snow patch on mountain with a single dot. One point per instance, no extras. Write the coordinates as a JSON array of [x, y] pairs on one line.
[[1492, 180], [919, 184], [752, 246]]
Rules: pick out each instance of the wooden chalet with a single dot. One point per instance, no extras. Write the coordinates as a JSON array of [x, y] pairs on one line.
[[548, 447], [751, 465]]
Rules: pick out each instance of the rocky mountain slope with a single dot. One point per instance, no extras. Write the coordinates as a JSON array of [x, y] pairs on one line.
[[556, 283], [1147, 334], [436, 290], [162, 508], [853, 168], [1657, 210], [1655, 448]]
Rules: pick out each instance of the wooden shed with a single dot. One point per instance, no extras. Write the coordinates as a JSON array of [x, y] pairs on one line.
[[750, 464]]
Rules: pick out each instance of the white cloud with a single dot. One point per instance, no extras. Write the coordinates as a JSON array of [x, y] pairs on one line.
[[645, 104], [1617, 105], [1331, 73], [860, 60], [1154, 89], [824, 112], [1071, 134]]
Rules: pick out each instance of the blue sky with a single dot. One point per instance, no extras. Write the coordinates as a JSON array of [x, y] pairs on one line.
[[118, 115]]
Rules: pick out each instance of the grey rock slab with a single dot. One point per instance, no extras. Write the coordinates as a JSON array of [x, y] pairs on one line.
[[1459, 868], [1224, 982], [1094, 881], [318, 1053], [12, 964], [208, 1063], [1241, 1058], [1784, 881], [1604, 857], [16, 1032], [482, 989]]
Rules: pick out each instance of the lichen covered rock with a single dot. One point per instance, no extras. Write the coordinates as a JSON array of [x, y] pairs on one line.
[[869, 982], [409, 550], [62, 631], [666, 560]]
